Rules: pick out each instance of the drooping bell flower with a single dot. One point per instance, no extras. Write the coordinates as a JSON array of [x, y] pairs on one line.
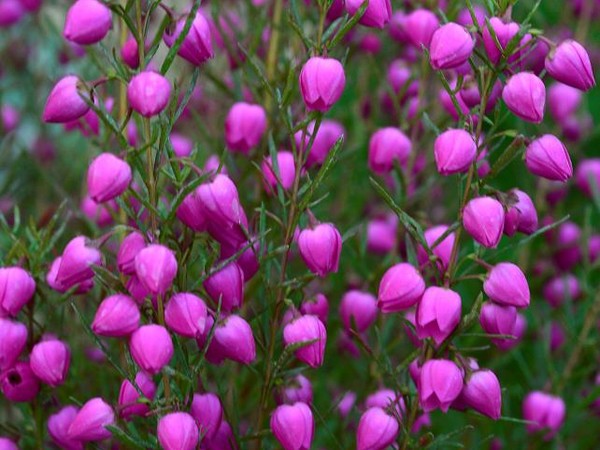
[[13, 338], [546, 411], [293, 426], [148, 93], [76, 263], [440, 383], [156, 268], [129, 404], [310, 330], [358, 310], [320, 248], [483, 219], [17, 287], [322, 82], [151, 347], [117, 316], [400, 288], [226, 287], [451, 46], [570, 64], [482, 393], [196, 47], [207, 411], [506, 285], [547, 157], [377, 430], [49, 360], [91, 421], [177, 431], [87, 22], [525, 95], [58, 427], [65, 102], [376, 15], [185, 314], [388, 146], [438, 313], [245, 125], [454, 151], [420, 25], [107, 177]]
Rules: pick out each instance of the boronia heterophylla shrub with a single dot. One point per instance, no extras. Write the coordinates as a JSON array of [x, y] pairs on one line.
[[299, 224]]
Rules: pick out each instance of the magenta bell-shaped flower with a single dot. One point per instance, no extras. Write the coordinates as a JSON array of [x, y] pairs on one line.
[[87, 22], [196, 47], [547, 157], [129, 397], [451, 46], [233, 339], [563, 101], [177, 431], [560, 289], [182, 145], [499, 320], [401, 287], [377, 430], [454, 151], [283, 176], [483, 219], [148, 93], [226, 286], [156, 268], [317, 306], [377, 14], [327, 135], [386, 398], [76, 264], [322, 81], [65, 102], [587, 176], [18, 383], [442, 250], [420, 26], [13, 337], [207, 411], [185, 314], [483, 394], [525, 95], [440, 383], [151, 347], [245, 126], [50, 360], [91, 421], [130, 53], [504, 32], [506, 285], [298, 390], [58, 428], [191, 214], [129, 249], [221, 204], [293, 426], [570, 64], [388, 146], [521, 216], [358, 310], [117, 316], [320, 248], [17, 287], [438, 313], [307, 329], [546, 411], [107, 177]]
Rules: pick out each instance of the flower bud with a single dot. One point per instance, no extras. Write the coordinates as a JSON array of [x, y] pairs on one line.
[[451, 46], [129, 397], [482, 393], [387, 146], [587, 176], [506, 285], [483, 219], [130, 247], [504, 32], [320, 248], [107, 177], [87, 22], [207, 411], [377, 430], [358, 310], [58, 427], [376, 15], [226, 286], [560, 289], [232, 339], [82, 288], [310, 330], [248, 260], [148, 93], [400, 288], [522, 214], [322, 82], [130, 53], [245, 126], [196, 47], [442, 251], [76, 264], [185, 314], [117, 316], [177, 431], [182, 146], [151, 348], [191, 214], [438, 314], [440, 383], [546, 411], [283, 176], [421, 24], [325, 138], [13, 337], [570, 64], [548, 158], [382, 235], [17, 287], [497, 319], [221, 204], [563, 101], [298, 390], [386, 398], [293, 426], [454, 151], [65, 102], [156, 268], [98, 213], [525, 95], [49, 361], [317, 306], [91, 421]]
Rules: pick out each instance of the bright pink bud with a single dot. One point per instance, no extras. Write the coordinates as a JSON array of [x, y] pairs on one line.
[[317, 306], [233, 339], [358, 310], [563, 101], [156, 268], [327, 135], [76, 264], [320, 248], [177, 431], [129, 404], [87, 22], [298, 390], [245, 125], [13, 337], [99, 213], [19, 383], [220, 202], [148, 93], [248, 260], [284, 175], [483, 219], [130, 53], [451, 46], [440, 383], [226, 286], [311, 332], [482, 393], [16, 289], [382, 235], [587, 176], [151, 347], [548, 158], [346, 403], [185, 314], [196, 47], [388, 146], [182, 145], [400, 288], [207, 411], [398, 76], [377, 430], [58, 427], [117, 316], [504, 32], [421, 24], [546, 411], [522, 215], [322, 82], [465, 19], [65, 102], [570, 64], [91, 421], [293, 426], [49, 361], [499, 320], [107, 177], [191, 214], [386, 398], [454, 151], [376, 15], [82, 288], [129, 249], [561, 289], [506, 285], [442, 250], [525, 95], [438, 314]]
